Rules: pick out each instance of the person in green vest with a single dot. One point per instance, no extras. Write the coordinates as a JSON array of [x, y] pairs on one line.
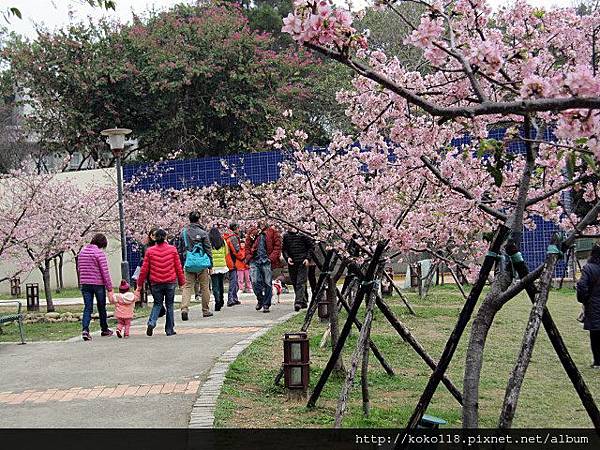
[[219, 268]]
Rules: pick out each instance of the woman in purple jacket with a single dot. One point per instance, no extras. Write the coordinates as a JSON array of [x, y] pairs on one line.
[[95, 281]]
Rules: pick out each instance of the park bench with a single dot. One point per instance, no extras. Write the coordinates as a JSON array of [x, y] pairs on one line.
[[12, 316]]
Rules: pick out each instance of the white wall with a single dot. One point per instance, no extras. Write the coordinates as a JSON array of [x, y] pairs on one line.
[[83, 179]]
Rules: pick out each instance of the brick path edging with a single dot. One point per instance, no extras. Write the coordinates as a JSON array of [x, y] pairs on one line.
[[203, 411]]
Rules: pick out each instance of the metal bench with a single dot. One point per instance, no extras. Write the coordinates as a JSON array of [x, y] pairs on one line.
[[11, 317]]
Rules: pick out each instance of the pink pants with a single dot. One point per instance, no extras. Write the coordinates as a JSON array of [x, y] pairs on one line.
[[244, 275], [123, 325]]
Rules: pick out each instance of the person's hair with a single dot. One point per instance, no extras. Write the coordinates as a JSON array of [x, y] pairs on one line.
[[216, 239], [233, 226], [99, 240], [150, 234], [160, 236], [194, 217]]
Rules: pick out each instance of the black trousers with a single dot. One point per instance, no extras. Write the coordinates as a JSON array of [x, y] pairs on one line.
[[299, 275], [595, 341]]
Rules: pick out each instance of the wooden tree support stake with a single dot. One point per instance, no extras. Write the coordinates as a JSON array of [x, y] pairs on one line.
[[410, 339], [361, 346], [365, 289], [399, 292], [561, 349], [452, 343]]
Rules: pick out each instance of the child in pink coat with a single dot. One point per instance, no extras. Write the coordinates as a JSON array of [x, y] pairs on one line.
[[124, 303]]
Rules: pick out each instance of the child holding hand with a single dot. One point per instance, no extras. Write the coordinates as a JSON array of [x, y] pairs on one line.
[[124, 303]]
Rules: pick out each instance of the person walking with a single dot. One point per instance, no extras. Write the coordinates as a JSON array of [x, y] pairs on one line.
[[163, 267], [95, 281], [124, 303], [195, 236], [233, 255], [243, 270], [263, 251], [219, 267], [588, 293], [297, 251]]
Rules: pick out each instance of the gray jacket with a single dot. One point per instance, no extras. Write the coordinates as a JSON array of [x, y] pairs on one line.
[[194, 234]]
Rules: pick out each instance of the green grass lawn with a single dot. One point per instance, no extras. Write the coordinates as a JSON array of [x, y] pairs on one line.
[[58, 331], [249, 398]]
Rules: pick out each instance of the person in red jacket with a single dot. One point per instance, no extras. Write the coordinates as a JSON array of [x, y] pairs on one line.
[[232, 240], [263, 254], [163, 267]]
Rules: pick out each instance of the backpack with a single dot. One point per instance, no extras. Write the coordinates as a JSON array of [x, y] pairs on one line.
[[196, 260]]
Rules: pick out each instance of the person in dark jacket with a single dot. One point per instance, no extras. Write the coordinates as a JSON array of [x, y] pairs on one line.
[[297, 251], [263, 251], [588, 293], [191, 235]]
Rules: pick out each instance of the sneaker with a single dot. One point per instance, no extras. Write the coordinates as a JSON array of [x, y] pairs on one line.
[[208, 314], [266, 309], [86, 336], [119, 334], [198, 298], [149, 330], [184, 315], [171, 333], [107, 332], [229, 305], [303, 306], [237, 302], [217, 308], [258, 307], [297, 307]]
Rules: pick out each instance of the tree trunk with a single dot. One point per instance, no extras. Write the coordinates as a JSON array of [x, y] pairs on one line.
[[474, 360], [45, 269], [358, 352], [513, 388], [338, 368]]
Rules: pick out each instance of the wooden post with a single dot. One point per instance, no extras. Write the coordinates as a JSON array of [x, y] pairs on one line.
[[358, 352], [461, 324], [408, 337], [559, 346], [372, 346], [400, 294], [365, 289]]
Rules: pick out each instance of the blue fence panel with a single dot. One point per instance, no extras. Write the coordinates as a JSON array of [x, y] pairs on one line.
[[263, 167]]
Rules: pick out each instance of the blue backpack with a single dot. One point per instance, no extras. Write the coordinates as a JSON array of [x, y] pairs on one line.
[[196, 260]]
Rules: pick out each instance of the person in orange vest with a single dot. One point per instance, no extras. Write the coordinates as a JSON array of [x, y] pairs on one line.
[[233, 255]]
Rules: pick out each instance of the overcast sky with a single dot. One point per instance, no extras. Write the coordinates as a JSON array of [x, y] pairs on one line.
[[57, 13]]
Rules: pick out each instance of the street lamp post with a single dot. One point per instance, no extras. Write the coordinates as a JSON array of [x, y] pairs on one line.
[[116, 140]]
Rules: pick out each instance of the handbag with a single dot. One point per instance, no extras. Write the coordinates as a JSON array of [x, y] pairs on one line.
[[196, 259]]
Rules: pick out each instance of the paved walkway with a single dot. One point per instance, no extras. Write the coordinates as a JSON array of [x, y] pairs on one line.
[[109, 382]]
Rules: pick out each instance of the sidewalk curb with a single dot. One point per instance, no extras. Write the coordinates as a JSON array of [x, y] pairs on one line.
[[203, 411]]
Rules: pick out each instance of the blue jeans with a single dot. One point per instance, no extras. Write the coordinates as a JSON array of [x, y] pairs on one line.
[[217, 288], [163, 292], [232, 296], [89, 291], [261, 276]]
